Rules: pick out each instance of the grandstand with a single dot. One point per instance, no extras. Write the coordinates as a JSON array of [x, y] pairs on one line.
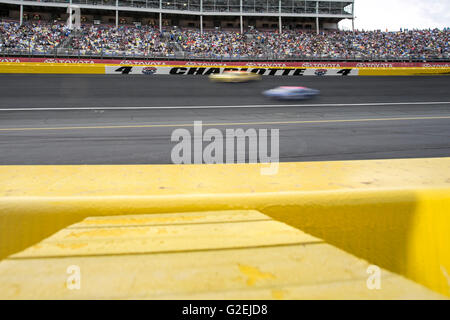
[[56, 39], [231, 14], [229, 30]]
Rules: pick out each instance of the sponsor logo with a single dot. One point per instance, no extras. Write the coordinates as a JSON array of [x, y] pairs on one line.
[[144, 63], [260, 64], [192, 63], [374, 65], [149, 70], [69, 61], [321, 65], [429, 65], [9, 60], [321, 72]]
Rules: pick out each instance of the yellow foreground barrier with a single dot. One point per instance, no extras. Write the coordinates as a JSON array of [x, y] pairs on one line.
[[235, 254], [393, 213]]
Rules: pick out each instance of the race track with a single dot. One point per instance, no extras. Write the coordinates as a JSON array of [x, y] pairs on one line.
[[124, 119]]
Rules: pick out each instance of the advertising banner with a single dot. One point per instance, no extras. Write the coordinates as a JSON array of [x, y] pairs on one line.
[[206, 71], [325, 64]]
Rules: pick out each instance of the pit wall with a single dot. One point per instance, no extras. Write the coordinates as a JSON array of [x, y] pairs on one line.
[[98, 68]]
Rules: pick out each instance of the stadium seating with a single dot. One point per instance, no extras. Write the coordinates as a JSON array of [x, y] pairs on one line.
[[106, 40]]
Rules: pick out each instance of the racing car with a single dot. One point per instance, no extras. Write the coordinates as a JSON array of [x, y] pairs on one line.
[[235, 76], [291, 93]]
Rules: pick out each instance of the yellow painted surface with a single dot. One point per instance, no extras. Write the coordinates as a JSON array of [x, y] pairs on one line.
[[393, 213], [173, 219], [62, 68], [295, 266], [403, 71], [393, 288], [98, 68], [114, 240]]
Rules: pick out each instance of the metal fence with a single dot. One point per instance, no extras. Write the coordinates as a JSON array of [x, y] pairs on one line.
[[79, 54]]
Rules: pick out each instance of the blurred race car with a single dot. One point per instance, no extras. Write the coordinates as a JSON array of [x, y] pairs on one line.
[[235, 76], [294, 93]]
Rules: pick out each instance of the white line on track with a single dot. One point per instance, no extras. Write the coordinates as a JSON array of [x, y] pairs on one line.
[[223, 124], [232, 107]]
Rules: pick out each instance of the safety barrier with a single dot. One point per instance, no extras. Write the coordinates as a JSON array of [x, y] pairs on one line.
[[233, 254], [259, 64], [403, 71], [393, 213], [54, 68], [97, 68]]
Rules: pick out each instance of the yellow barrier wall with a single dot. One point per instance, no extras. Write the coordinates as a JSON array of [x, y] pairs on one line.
[[403, 71], [234, 254], [52, 68], [72, 68], [393, 213]]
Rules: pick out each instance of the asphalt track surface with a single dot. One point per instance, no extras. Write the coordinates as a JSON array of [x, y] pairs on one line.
[[126, 119]]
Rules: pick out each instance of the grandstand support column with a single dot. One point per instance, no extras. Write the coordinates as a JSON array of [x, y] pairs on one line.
[[241, 22], [201, 24], [280, 28], [353, 19], [317, 24], [317, 17], [21, 14], [160, 16], [201, 17], [117, 14]]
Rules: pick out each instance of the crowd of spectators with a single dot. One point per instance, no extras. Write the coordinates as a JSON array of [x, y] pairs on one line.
[[359, 44], [32, 37], [126, 40], [218, 44]]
